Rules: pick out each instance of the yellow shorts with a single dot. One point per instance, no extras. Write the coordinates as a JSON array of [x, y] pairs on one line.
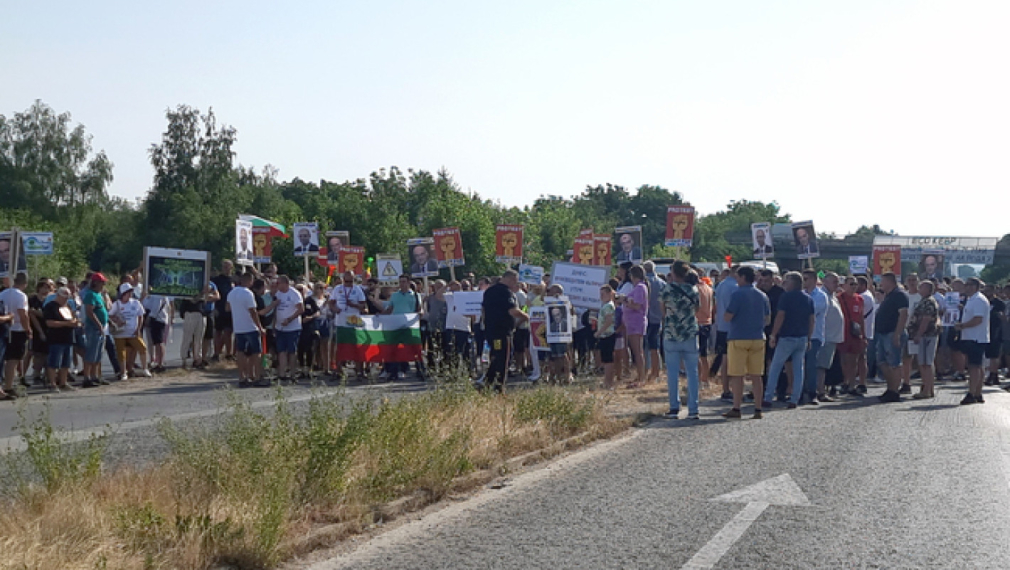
[[746, 358]]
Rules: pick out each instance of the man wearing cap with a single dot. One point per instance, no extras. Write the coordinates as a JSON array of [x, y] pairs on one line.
[[15, 304]]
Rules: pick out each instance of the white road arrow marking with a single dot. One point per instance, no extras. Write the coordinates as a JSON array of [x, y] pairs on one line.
[[781, 490]]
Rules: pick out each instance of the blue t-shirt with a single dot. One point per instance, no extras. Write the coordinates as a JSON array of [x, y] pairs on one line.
[[723, 292], [749, 307], [403, 302], [798, 307]]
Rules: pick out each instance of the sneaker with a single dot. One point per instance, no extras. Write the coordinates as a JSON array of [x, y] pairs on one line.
[[89, 383], [790, 406], [672, 414], [123, 377], [878, 380], [767, 404], [922, 396], [905, 389], [783, 399], [979, 400], [103, 382], [757, 415], [732, 414], [861, 390], [844, 390], [890, 396], [693, 416], [145, 373], [824, 398], [968, 399], [726, 396]]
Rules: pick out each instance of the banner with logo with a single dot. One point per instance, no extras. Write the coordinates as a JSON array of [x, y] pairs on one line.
[[858, 264], [508, 244], [37, 243], [352, 258], [263, 245], [388, 268], [582, 250], [176, 272], [448, 247], [532, 274], [679, 226], [887, 259], [602, 246]]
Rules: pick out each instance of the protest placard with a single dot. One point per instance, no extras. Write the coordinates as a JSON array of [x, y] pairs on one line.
[[244, 254], [176, 272], [389, 268], [679, 226], [805, 240], [581, 282], [466, 303], [858, 264], [329, 251], [508, 244], [37, 243], [448, 247], [421, 257], [532, 274], [761, 240], [263, 245], [629, 244], [887, 259], [582, 250], [352, 258], [603, 247], [559, 319], [12, 253], [306, 239], [538, 328]]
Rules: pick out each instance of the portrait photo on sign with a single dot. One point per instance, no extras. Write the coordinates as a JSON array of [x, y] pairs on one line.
[[805, 240], [558, 319], [334, 241], [931, 266], [421, 255], [629, 244], [6, 254], [306, 239], [244, 254], [761, 239]]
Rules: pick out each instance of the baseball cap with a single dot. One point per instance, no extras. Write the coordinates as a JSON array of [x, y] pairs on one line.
[[96, 276], [61, 281], [125, 288]]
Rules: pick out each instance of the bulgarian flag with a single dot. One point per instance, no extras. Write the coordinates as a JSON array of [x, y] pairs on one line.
[[379, 338]]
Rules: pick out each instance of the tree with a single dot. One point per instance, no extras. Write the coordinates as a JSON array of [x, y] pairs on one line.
[[710, 242]]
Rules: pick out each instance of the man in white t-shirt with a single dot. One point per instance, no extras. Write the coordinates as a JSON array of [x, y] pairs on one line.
[[866, 360], [241, 305], [287, 325], [911, 349], [974, 327], [14, 302], [350, 299]]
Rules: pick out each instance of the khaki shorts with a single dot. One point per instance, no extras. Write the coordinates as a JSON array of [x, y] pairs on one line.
[[746, 357]]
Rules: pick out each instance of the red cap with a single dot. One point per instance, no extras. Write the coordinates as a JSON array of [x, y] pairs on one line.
[[96, 276]]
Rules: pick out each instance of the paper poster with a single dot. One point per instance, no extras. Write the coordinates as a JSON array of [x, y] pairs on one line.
[[421, 255], [389, 268], [244, 254], [629, 244], [329, 252], [306, 239], [581, 282], [858, 264], [582, 251], [352, 258], [538, 328], [532, 274], [602, 246], [466, 303], [448, 247], [887, 259], [951, 308], [10, 255], [559, 321], [37, 243], [805, 240], [176, 272], [679, 226], [931, 266], [761, 240], [586, 232], [508, 244]]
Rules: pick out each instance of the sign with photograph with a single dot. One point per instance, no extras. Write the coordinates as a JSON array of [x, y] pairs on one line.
[[858, 264], [263, 245], [10, 255], [329, 251], [352, 258], [931, 266], [559, 320], [176, 272], [244, 254], [306, 239], [951, 308], [389, 268], [37, 243], [679, 226], [532, 274], [805, 240], [602, 246], [581, 282], [583, 252], [629, 244], [508, 244], [887, 259], [448, 247], [421, 255], [761, 240], [538, 328]]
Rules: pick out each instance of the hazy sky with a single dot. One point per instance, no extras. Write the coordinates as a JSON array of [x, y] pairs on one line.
[[846, 113]]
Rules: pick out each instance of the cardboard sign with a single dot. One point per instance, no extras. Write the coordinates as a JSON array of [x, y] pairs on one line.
[[532, 274], [306, 239], [629, 244], [389, 268], [581, 282], [244, 254], [263, 245], [329, 251], [37, 243], [179, 273], [466, 303], [448, 247], [858, 264], [806, 240], [352, 258], [559, 319], [11, 254], [583, 252], [602, 247], [679, 226], [508, 244], [887, 259], [761, 240], [538, 328], [421, 256]]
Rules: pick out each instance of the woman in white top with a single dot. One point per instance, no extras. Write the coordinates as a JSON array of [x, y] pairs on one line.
[[127, 316]]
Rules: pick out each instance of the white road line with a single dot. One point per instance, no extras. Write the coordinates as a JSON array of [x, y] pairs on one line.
[[720, 544]]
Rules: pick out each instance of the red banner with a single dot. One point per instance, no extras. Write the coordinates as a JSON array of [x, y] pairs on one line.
[[263, 246], [508, 244], [603, 247], [582, 250], [448, 247], [887, 258], [679, 226], [352, 258]]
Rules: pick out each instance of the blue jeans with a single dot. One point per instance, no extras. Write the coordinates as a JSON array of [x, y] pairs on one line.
[[686, 351], [871, 357], [788, 348], [810, 371]]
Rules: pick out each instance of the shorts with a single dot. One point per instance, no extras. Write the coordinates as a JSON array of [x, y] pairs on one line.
[[746, 357], [39, 346], [559, 349], [520, 341], [993, 350], [721, 342], [974, 351], [16, 346], [60, 356], [925, 350], [208, 331], [606, 346], [619, 342], [852, 346], [953, 338], [249, 343], [704, 334], [324, 331], [94, 342], [826, 355], [287, 341], [887, 353], [79, 339], [222, 321], [157, 331], [652, 340]]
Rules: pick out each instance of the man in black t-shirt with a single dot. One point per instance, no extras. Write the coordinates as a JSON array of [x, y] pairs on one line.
[[993, 351], [222, 318], [500, 313], [889, 334]]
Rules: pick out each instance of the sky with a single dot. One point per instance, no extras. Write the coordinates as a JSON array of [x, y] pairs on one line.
[[845, 113]]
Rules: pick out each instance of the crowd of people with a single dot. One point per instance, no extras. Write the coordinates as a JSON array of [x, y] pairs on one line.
[[801, 338]]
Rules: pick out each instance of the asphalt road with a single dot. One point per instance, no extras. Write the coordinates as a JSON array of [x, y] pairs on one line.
[[854, 484]]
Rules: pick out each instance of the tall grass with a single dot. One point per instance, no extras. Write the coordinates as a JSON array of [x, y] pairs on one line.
[[244, 491]]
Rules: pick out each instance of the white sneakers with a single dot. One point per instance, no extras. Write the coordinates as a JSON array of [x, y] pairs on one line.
[[145, 373]]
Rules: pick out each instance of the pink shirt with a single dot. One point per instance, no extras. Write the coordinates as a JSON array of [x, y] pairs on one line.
[[636, 320]]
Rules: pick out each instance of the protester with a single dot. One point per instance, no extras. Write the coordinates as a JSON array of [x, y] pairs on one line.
[[501, 309], [40, 342], [867, 360], [245, 321], [605, 330], [892, 316], [349, 299], [223, 337], [908, 356], [15, 303], [923, 332], [994, 349], [160, 313], [834, 334], [60, 324], [635, 320], [194, 324], [767, 283], [653, 331], [314, 342], [974, 328], [791, 334], [854, 343], [289, 305], [680, 302], [405, 300], [704, 315], [127, 315], [457, 337], [723, 292], [747, 313], [96, 319]]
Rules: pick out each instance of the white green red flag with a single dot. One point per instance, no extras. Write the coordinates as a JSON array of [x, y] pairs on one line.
[[378, 338]]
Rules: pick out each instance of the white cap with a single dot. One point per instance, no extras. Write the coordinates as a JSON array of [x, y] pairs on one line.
[[124, 288]]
